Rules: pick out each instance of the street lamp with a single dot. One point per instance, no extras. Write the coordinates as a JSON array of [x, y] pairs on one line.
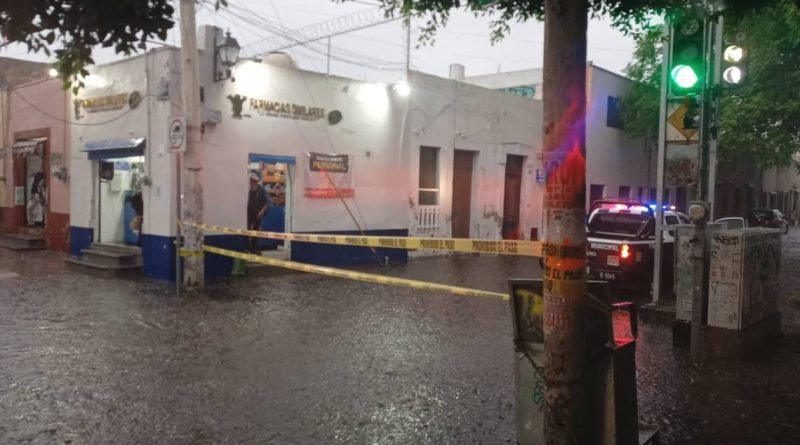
[[226, 55]]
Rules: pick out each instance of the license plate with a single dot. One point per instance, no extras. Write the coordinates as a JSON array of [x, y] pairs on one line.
[[608, 276], [612, 260]]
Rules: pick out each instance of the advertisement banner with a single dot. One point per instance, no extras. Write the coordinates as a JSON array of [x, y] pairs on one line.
[[328, 176]]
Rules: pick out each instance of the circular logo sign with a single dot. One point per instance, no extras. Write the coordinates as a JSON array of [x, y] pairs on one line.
[[134, 99], [177, 134]]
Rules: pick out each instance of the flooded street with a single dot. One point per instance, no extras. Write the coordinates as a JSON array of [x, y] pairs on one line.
[[289, 358]]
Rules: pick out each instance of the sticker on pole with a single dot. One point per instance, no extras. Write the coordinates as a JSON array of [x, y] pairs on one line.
[[176, 132]]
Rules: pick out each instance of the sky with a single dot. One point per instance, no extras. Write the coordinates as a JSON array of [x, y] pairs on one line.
[[378, 53]]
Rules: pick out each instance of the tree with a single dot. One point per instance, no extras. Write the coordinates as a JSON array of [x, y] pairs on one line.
[[759, 120], [564, 153], [78, 26], [75, 27]]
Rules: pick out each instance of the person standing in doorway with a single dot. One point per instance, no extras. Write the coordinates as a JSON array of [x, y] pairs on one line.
[[257, 207], [136, 223], [36, 200]]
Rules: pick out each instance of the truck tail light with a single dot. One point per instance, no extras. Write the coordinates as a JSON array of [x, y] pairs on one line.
[[625, 251]]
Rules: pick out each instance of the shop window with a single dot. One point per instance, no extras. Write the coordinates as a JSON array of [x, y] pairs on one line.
[[614, 118], [428, 176]]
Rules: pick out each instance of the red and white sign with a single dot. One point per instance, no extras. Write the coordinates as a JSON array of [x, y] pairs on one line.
[[329, 176]]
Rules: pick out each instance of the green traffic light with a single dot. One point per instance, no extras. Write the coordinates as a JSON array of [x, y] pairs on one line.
[[684, 76]]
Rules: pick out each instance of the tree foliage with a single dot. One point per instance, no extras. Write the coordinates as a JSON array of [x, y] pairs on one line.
[[70, 29], [759, 120]]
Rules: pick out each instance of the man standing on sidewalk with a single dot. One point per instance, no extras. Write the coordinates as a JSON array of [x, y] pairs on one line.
[[257, 205]]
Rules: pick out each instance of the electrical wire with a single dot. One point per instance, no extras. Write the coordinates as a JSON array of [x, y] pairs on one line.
[[248, 16]]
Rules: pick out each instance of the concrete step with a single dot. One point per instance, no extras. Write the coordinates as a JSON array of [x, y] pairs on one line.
[[111, 258], [22, 241], [116, 248], [100, 270]]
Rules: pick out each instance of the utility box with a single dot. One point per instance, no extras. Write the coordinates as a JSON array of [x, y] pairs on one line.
[[743, 277]]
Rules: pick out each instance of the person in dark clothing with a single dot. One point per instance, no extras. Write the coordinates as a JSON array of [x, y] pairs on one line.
[[138, 206], [37, 200], [257, 206]]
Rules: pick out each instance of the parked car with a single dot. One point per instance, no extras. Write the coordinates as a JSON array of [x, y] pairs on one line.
[[767, 218], [621, 235]]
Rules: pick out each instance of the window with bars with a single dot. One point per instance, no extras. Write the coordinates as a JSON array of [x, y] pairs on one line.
[[428, 176]]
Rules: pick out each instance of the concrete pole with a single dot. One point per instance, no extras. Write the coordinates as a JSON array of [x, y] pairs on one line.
[[193, 158]]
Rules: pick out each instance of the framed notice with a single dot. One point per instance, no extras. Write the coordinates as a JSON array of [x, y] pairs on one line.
[[328, 176]]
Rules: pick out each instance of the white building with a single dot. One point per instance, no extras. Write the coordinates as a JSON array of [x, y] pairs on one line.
[[616, 164], [447, 159]]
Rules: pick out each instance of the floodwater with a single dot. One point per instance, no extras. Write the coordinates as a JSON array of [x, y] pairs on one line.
[[289, 358]]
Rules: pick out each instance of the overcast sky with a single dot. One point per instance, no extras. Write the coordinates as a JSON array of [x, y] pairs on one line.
[[378, 53]]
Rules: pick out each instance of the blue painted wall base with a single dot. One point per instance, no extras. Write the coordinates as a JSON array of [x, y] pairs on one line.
[[333, 255], [158, 256], [218, 265], [79, 238]]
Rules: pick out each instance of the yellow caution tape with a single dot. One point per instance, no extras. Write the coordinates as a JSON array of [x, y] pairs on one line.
[[466, 245], [190, 253], [359, 276]]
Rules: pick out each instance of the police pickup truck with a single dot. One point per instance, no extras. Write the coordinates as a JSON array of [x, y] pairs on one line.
[[621, 242]]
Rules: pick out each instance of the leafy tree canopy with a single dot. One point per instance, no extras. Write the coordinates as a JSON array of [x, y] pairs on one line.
[[627, 15], [69, 29], [760, 119]]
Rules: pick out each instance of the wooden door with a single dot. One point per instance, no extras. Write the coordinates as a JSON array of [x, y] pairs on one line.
[[511, 197], [462, 193]]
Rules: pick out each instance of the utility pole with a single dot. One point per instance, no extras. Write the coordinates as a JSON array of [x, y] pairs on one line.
[[192, 204], [566, 406], [408, 43]]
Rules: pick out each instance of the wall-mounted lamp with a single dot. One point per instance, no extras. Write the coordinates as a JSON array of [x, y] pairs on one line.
[[227, 54]]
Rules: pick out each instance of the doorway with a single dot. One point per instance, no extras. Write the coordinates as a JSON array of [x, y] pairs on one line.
[[30, 182], [120, 206], [511, 197], [462, 193], [276, 176]]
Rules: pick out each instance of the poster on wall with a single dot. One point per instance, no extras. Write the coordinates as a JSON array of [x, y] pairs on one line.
[[328, 176]]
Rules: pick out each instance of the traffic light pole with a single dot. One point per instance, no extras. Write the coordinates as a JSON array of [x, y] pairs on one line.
[[662, 155], [714, 118]]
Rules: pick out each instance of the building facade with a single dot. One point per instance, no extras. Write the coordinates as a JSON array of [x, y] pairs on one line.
[[35, 164], [616, 164], [335, 155]]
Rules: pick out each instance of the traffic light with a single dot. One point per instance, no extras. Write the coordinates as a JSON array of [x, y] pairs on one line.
[[687, 61], [691, 120], [734, 62]]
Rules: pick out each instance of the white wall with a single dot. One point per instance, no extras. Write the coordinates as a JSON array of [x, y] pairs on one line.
[[613, 158], [454, 115], [370, 132], [148, 120]]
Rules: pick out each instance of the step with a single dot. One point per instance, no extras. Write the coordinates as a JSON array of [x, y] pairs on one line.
[[111, 258], [22, 242], [80, 265], [116, 248]]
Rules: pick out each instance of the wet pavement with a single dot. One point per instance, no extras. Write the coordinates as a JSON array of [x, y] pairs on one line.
[[290, 358]]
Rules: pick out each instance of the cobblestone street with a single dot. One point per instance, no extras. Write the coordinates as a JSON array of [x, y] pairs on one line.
[[289, 358]]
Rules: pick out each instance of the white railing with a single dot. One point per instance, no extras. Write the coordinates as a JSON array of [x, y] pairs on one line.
[[428, 218]]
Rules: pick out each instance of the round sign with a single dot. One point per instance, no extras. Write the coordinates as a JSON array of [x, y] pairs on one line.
[[177, 134]]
